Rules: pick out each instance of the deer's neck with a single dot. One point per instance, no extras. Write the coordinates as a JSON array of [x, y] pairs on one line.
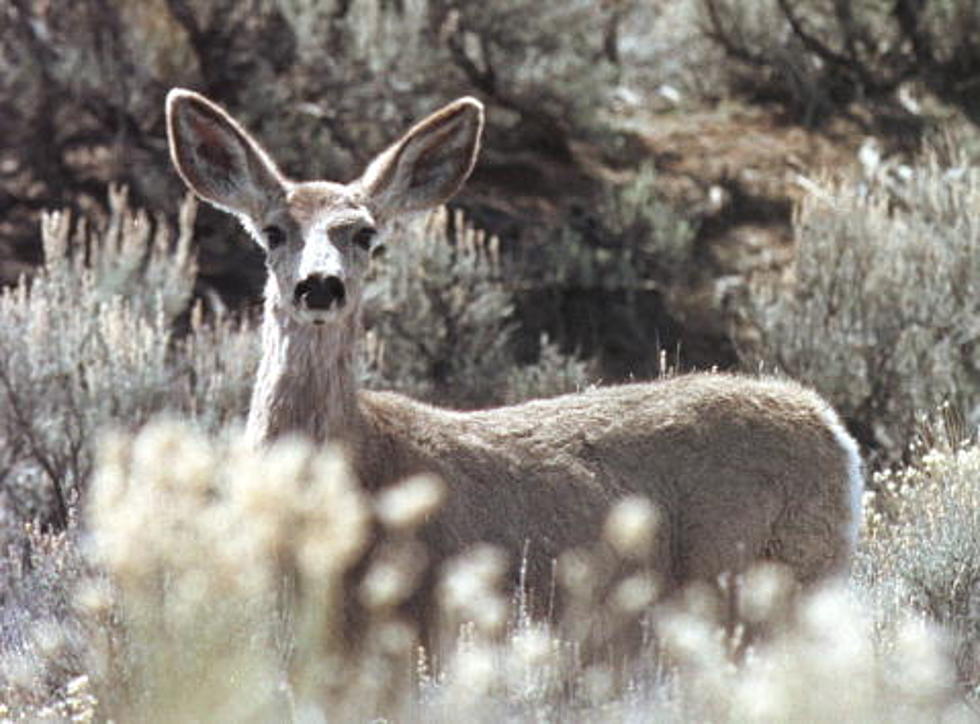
[[306, 383]]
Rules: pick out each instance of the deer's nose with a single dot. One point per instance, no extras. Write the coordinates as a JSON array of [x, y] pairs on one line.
[[320, 292]]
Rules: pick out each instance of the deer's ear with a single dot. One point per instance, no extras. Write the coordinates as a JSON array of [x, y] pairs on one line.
[[429, 163], [217, 158]]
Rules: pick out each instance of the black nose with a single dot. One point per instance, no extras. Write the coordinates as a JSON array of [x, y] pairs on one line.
[[320, 292]]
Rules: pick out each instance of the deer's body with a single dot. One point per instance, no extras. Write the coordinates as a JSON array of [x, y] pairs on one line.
[[719, 455], [743, 468], [740, 468]]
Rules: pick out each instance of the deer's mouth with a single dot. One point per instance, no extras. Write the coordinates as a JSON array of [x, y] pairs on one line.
[[318, 317]]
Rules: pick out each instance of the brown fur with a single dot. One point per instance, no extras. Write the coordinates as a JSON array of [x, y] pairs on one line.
[[745, 469], [742, 468]]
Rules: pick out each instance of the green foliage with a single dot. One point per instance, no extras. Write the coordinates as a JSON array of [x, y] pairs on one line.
[[881, 314], [220, 527], [440, 318], [190, 539], [89, 342], [325, 83], [655, 240], [513, 51], [555, 373]]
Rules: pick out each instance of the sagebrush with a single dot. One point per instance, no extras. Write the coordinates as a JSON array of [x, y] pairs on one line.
[[880, 313]]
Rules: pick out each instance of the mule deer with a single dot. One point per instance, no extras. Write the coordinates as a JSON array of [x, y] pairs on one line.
[[740, 468]]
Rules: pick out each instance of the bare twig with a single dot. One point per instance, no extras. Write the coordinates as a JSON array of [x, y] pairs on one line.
[[23, 421]]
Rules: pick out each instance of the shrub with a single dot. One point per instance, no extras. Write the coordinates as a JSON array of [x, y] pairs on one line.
[[44, 645], [606, 282], [88, 343], [634, 242], [555, 373], [880, 313], [821, 56], [922, 550], [197, 596], [655, 241], [442, 322], [897, 673], [324, 83]]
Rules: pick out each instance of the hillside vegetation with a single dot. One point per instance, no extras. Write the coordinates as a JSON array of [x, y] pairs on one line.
[[784, 187]]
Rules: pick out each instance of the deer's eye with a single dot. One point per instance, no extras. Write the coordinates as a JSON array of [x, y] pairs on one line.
[[274, 236], [364, 236]]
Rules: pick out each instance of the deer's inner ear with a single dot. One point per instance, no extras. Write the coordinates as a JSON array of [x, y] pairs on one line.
[[217, 158], [430, 163]]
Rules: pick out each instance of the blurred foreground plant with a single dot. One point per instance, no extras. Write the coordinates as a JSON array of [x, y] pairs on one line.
[[198, 551], [239, 583]]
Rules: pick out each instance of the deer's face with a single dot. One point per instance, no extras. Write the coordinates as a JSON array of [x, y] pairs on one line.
[[318, 245], [318, 236]]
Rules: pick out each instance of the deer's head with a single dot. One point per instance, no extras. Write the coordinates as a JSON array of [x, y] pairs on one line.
[[318, 235]]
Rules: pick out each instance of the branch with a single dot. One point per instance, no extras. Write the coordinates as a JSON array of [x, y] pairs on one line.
[[908, 13], [24, 422], [484, 80], [814, 44], [845, 20], [717, 34]]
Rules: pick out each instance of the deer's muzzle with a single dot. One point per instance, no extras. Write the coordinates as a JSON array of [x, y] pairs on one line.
[[320, 293]]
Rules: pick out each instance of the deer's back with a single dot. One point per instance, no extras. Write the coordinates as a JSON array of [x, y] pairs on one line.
[[741, 468]]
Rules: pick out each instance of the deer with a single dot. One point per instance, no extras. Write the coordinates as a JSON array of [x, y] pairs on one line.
[[740, 468]]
